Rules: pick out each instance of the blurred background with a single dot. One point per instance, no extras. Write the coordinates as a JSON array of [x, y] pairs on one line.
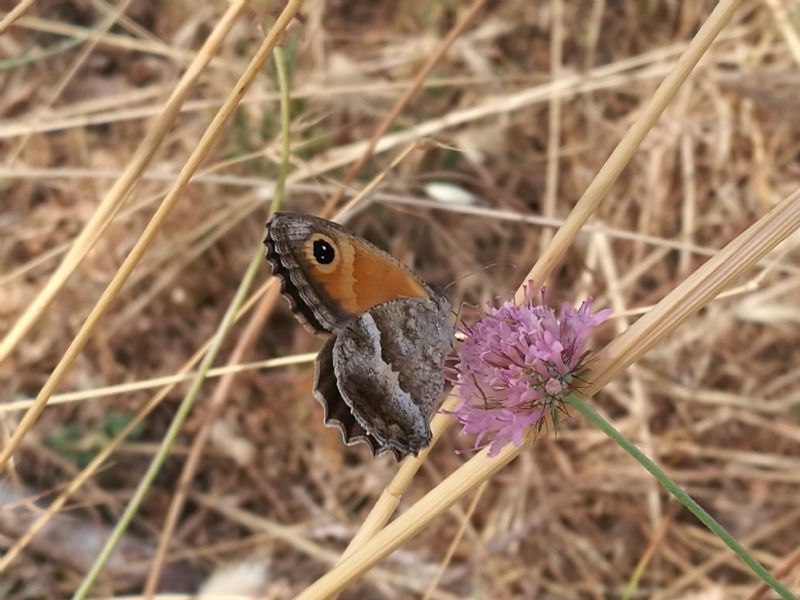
[[520, 113]]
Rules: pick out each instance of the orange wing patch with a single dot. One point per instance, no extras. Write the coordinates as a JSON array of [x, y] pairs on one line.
[[378, 280], [360, 277]]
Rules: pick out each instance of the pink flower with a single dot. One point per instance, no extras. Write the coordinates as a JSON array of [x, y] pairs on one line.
[[516, 366]]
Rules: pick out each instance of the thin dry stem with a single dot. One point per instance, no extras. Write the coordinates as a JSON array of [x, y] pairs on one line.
[[122, 187], [14, 14], [192, 164], [154, 382], [553, 122], [398, 107], [354, 203], [672, 311], [787, 25], [655, 542], [622, 153], [456, 540], [122, 42]]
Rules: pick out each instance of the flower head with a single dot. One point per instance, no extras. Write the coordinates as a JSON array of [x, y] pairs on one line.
[[516, 366]]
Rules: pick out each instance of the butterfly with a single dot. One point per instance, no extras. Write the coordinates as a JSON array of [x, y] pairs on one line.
[[380, 374]]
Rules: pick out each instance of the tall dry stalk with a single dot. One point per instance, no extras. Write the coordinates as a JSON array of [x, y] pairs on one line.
[[690, 296], [554, 253], [193, 163]]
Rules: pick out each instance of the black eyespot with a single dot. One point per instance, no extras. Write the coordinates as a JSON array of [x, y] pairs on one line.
[[323, 252]]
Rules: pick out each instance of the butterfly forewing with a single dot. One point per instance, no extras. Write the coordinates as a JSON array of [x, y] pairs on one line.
[[330, 275]]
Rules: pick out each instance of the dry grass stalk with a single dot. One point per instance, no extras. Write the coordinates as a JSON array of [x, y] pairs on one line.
[[115, 197], [565, 236], [14, 14], [553, 123], [611, 169], [194, 161], [146, 384], [401, 103], [123, 42], [708, 281], [456, 540], [787, 27]]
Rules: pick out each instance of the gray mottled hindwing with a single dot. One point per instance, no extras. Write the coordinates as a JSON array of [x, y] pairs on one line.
[[388, 364], [336, 412]]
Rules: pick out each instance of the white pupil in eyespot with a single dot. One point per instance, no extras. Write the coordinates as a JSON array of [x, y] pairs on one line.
[[323, 252]]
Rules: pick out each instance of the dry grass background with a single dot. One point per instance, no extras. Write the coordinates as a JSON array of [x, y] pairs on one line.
[[524, 108]]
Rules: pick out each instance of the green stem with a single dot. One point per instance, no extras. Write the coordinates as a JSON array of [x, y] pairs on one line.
[[13, 62], [283, 84], [188, 400], [679, 493], [172, 433]]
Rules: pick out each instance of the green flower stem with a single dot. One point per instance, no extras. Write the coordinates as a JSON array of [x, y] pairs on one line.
[[172, 433], [191, 394], [283, 84], [679, 493]]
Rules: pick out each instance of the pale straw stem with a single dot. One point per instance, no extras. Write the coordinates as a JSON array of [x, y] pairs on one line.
[[622, 154], [719, 272], [389, 500], [456, 540], [122, 187], [146, 384], [197, 157], [14, 14]]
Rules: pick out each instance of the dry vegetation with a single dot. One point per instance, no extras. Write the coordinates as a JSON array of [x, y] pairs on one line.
[[524, 108]]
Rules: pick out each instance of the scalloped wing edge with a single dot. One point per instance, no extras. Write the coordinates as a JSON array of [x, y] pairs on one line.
[[326, 392]]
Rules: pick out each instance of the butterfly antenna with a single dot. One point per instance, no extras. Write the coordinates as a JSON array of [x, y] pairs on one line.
[[476, 271]]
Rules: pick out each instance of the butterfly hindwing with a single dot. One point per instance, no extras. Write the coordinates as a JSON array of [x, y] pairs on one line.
[[388, 365]]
